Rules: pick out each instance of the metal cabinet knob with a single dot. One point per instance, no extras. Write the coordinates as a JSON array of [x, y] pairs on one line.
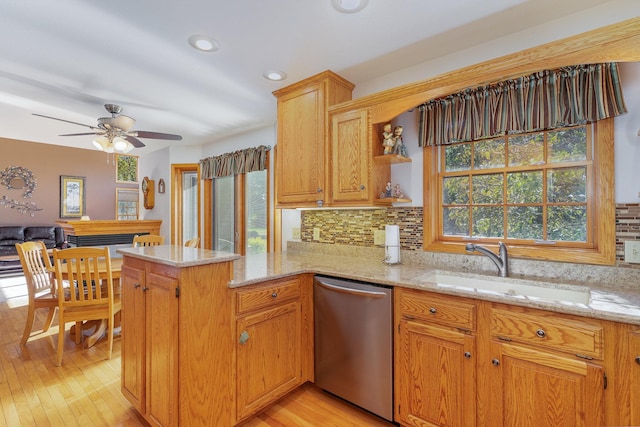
[[638, 360], [319, 190], [495, 362], [244, 337], [467, 355], [137, 285], [274, 295], [541, 333], [362, 187], [433, 310], [145, 289]]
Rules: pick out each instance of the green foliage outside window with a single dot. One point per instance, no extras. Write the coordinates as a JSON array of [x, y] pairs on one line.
[[526, 186]]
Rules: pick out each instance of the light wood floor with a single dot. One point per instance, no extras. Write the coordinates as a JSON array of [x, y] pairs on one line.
[[85, 390]]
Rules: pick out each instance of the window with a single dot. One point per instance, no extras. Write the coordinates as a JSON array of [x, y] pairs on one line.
[[127, 201], [239, 213], [547, 194]]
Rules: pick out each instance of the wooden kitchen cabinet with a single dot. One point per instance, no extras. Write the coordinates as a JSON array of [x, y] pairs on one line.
[[634, 361], [352, 178], [435, 374], [150, 353], [271, 342], [546, 369], [177, 356], [302, 155]]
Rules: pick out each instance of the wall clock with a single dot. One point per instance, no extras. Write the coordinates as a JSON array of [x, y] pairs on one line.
[[148, 192]]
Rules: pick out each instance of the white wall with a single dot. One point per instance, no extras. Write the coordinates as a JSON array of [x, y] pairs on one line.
[[156, 165], [627, 141]]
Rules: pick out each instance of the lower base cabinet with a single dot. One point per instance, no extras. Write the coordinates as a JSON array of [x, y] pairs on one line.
[[465, 362], [634, 361], [435, 364]]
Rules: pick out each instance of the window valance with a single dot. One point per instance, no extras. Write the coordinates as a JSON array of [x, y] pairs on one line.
[[235, 163], [541, 101]]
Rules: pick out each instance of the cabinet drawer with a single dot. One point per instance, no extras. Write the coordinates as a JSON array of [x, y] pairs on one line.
[[569, 335], [267, 295], [444, 310]]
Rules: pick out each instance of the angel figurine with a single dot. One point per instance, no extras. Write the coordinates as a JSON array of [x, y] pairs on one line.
[[388, 139]]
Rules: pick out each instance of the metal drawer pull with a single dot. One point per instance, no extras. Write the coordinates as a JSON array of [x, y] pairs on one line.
[[433, 310], [244, 337], [541, 333], [495, 362], [467, 355], [273, 295]]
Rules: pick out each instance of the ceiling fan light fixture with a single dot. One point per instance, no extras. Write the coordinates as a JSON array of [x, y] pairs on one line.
[[204, 43], [101, 143], [274, 75], [349, 6], [119, 144]]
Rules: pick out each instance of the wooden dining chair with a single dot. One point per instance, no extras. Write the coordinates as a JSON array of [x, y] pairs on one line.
[[41, 288], [147, 240], [193, 243], [91, 292]]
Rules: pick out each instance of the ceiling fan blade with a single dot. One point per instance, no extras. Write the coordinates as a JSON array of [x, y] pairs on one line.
[[80, 134], [63, 120], [134, 141], [157, 135]]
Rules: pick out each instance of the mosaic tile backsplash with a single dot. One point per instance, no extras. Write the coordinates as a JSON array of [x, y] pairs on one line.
[[355, 227]]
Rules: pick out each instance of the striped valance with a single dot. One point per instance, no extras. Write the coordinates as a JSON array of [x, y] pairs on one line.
[[238, 162], [540, 101]]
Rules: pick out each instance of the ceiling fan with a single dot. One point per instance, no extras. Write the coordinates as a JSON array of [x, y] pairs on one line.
[[114, 133]]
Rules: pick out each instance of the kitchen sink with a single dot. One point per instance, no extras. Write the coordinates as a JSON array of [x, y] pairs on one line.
[[512, 287]]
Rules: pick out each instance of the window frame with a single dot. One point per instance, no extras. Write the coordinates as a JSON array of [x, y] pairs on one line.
[[601, 193]]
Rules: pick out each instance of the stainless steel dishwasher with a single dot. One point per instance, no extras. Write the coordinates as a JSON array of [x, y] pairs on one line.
[[354, 342]]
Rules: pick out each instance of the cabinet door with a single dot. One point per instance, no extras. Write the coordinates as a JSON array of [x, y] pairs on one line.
[[539, 389], [634, 345], [435, 376], [268, 356], [351, 158], [133, 336], [162, 350], [300, 156]]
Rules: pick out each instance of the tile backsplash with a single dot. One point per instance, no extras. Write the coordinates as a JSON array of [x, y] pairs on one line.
[[355, 227]]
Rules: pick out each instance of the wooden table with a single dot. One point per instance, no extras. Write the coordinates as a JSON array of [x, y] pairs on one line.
[[101, 325]]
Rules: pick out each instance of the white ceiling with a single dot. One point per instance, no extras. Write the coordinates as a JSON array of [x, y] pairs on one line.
[[66, 58]]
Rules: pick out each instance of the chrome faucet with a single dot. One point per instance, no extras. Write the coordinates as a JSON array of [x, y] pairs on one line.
[[501, 260]]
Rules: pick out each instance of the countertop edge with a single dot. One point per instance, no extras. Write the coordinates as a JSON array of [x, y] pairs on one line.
[[602, 306]]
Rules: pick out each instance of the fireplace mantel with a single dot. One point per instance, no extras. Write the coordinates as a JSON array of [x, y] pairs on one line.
[[107, 232]]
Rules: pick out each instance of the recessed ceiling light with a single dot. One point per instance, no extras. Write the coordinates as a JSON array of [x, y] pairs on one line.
[[204, 43], [349, 6], [274, 75]]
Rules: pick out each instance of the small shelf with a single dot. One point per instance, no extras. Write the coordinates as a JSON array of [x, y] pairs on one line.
[[388, 201], [388, 159]]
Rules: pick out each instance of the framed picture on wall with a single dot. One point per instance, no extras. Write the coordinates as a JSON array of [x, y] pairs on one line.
[[126, 168], [72, 196]]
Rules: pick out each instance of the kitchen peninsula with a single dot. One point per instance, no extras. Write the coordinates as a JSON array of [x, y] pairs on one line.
[[242, 332]]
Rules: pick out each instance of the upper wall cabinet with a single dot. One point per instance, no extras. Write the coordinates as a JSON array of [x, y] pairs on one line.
[[351, 158], [302, 151]]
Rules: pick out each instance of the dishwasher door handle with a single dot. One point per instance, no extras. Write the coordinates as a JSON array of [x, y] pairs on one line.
[[352, 291]]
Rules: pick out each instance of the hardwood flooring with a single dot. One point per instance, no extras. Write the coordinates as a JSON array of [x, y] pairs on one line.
[[85, 390]]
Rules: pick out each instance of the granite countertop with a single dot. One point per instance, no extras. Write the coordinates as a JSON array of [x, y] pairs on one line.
[[620, 304], [178, 256]]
